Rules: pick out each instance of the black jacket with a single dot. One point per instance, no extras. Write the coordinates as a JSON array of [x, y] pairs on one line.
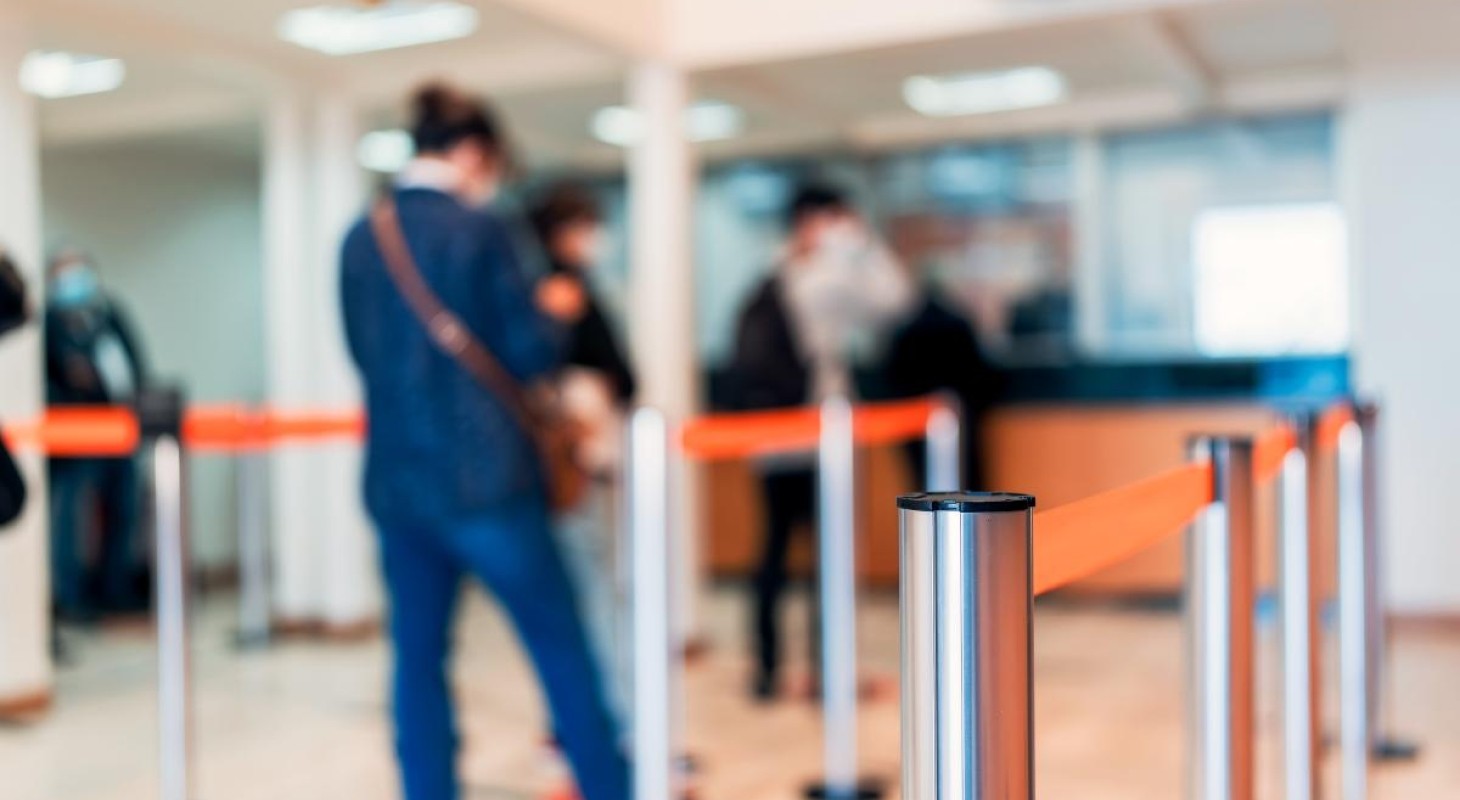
[[72, 374], [767, 370], [593, 344]]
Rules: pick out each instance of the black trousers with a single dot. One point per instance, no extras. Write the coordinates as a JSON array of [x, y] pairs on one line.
[[790, 501]]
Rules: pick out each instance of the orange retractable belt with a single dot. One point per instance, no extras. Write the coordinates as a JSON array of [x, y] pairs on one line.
[[1079, 539], [98, 431], [757, 433], [1269, 451], [1331, 424]]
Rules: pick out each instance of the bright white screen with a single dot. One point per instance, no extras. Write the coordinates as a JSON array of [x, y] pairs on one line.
[[1271, 280]]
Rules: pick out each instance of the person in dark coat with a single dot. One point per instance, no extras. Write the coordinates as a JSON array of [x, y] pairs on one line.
[[937, 351], [452, 481], [596, 386], [93, 358]]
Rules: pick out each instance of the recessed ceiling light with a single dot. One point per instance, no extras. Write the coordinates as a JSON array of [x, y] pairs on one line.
[[984, 92], [56, 74], [385, 151], [343, 30], [705, 121]]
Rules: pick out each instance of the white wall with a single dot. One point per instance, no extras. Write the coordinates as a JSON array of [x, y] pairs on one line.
[[1402, 151], [174, 229]]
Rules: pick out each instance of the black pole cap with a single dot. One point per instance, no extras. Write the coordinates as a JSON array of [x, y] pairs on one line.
[[966, 502], [160, 411]]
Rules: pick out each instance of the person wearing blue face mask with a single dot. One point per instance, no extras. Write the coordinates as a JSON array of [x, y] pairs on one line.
[[92, 358]]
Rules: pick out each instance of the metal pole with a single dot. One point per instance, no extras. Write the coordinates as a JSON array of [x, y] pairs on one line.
[[1353, 628], [1220, 604], [1384, 745], [654, 657], [967, 625], [1300, 745], [174, 689], [944, 450], [836, 511], [253, 551]]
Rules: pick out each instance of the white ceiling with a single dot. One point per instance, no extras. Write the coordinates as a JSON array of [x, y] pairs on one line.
[[217, 59]]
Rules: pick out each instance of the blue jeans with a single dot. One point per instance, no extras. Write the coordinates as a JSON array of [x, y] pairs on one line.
[[80, 487], [513, 553]]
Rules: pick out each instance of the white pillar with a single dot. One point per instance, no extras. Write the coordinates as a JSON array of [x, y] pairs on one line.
[[348, 582], [288, 301], [1090, 279], [25, 670], [324, 570], [1400, 126], [661, 322]]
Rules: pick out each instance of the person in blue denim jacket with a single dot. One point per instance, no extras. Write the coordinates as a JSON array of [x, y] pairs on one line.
[[452, 482]]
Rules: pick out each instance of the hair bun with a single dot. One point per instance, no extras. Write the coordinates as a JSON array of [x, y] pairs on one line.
[[435, 102]]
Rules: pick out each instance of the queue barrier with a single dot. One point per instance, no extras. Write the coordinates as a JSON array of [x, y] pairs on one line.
[[1212, 495], [973, 562]]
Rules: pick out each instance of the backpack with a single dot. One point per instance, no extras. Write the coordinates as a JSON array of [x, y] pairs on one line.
[[13, 314], [767, 369]]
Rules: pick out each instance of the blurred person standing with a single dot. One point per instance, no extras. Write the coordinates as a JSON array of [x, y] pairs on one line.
[[836, 282], [597, 387], [93, 357], [938, 350], [453, 481]]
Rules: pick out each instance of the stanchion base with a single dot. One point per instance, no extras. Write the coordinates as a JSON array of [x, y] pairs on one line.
[[249, 642], [866, 789], [1392, 750]]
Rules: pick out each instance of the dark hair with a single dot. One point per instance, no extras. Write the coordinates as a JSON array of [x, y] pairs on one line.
[[442, 117], [814, 198], [561, 205]]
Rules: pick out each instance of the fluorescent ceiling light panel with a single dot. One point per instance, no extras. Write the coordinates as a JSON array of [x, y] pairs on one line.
[[345, 30], [705, 121], [385, 151], [58, 74], [984, 92]]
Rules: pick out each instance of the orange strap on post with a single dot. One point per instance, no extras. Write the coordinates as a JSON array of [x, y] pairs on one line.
[[79, 431], [1269, 451], [1079, 539], [1330, 424], [747, 434]]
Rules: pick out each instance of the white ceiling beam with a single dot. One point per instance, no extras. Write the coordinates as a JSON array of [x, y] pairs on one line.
[[1160, 36], [1110, 111], [106, 29]]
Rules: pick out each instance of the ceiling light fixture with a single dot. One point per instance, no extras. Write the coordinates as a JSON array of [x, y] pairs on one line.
[[345, 30], [56, 74], [705, 121], [386, 151], [984, 92]]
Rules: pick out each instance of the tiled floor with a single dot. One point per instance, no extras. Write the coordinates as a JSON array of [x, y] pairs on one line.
[[306, 721]]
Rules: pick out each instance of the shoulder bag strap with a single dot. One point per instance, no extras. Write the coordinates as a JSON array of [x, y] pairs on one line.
[[443, 327]]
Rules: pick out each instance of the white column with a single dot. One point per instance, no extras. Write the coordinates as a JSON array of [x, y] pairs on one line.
[[25, 671], [348, 584], [1400, 126], [661, 322], [288, 301], [1090, 279]]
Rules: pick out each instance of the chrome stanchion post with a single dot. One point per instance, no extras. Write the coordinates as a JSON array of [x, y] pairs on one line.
[[253, 550], [837, 551], [967, 625], [1353, 627], [944, 449], [1299, 651], [159, 414], [1384, 745], [655, 660], [1220, 605]]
